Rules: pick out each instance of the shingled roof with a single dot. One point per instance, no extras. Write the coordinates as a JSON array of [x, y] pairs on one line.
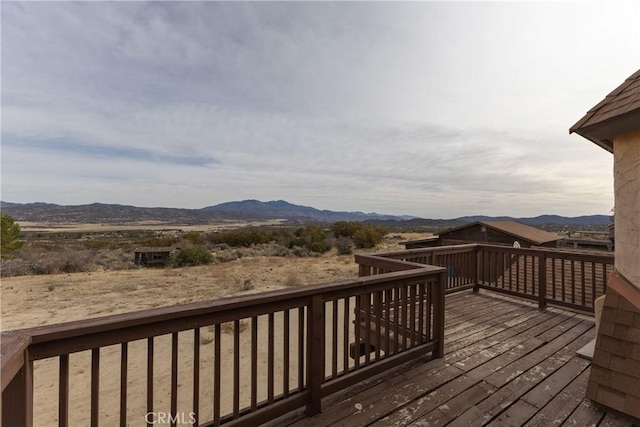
[[618, 113], [533, 235]]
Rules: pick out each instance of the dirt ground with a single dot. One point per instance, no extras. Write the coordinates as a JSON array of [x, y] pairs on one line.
[[29, 301]]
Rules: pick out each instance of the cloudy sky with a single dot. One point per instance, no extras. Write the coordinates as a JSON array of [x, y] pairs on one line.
[[435, 109]]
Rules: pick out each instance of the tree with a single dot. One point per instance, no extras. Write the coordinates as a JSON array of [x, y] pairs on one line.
[[10, 236]]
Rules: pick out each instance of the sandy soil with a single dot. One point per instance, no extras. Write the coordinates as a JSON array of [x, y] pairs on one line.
[[139, 225], [40, 300]]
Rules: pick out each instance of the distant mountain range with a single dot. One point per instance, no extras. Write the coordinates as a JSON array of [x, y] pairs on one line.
[[286, 210], [252, 210]]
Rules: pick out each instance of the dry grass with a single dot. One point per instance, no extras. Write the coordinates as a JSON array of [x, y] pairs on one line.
[[292, 280]]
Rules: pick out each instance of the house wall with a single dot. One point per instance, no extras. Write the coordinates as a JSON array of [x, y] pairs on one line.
[[614, 380], [626, 170]]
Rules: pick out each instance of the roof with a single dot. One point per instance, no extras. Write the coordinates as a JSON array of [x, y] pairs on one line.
[[156, 249], [618, 113], [515, 229]]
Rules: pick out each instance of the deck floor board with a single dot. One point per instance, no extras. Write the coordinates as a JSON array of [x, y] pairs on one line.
[[506, 363]]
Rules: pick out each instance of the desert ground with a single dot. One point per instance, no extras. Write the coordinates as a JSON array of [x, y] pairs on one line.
[[29, 301]]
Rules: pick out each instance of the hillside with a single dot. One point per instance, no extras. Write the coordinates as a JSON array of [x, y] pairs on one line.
[[256, 210]]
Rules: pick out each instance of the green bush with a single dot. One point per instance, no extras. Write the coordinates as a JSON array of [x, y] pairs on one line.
[[243, 237], [196, 255], [10, 236], [368, 236], [345, 228], [344, 244], [313, 238]]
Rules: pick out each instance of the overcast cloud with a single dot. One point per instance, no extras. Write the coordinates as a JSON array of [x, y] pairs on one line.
[[432, 109]]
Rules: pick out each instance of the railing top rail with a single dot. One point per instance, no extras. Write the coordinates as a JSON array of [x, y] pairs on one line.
[[42, 334], [418, 251], [378, 260], [556, 252]]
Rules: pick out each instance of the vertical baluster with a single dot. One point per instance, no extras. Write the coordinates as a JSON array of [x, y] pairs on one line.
[[396, 320], [270, 357], [124, 350], [300, 349], [573, 281], [583, 283], [526, 273], [357, 326], [217, 348], [149, 379], [377, 304], [196, 375], [63, 391], [563, 274], [421, 313], [388, 293], [285, 351], [254, 363], [405, 316], [367, 334], [412, 313], [174, 376], [429, 312], [95, 386], [593, 284], [236, 368], [334, 341], [553, 277], [345, 335]]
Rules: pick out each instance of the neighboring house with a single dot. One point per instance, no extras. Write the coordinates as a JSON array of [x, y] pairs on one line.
[[492, 232], [614, 124], [153, 257]]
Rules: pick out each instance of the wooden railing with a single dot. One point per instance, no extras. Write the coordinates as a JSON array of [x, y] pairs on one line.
[[549, 276], [560, 277], [236, 361]]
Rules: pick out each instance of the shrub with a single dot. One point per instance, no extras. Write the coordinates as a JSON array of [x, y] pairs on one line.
[[196, 255], [343, 244], [345, 228], [313, 238], [368, 236], [10, 236], [244, 237]]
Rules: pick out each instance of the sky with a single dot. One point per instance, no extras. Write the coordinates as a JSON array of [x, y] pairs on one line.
[[432, 109]]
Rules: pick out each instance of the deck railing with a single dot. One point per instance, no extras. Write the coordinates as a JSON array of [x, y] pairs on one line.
[[246, 360], [563, 278], [236, 361]]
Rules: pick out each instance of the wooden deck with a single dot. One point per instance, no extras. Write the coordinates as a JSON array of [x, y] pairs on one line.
[[506, 363]]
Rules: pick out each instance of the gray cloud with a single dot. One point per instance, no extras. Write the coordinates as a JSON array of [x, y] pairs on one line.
[[432, 109]]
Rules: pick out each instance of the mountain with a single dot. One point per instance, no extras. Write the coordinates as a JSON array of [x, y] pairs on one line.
[[256, 210], [544, 219], [284, 210], [96, 213]]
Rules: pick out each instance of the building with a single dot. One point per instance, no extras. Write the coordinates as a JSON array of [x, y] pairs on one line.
[[614, 124], [153, 257], [492, 232]]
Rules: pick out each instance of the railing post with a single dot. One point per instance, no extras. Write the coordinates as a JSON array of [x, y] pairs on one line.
[[542, 281], [438, 313], [315, 354], [17, 397], [474, 269]]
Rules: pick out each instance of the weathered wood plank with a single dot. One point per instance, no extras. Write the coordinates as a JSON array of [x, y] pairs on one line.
[[488, 409], [514, 367], [585, 415], [563, 404]]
